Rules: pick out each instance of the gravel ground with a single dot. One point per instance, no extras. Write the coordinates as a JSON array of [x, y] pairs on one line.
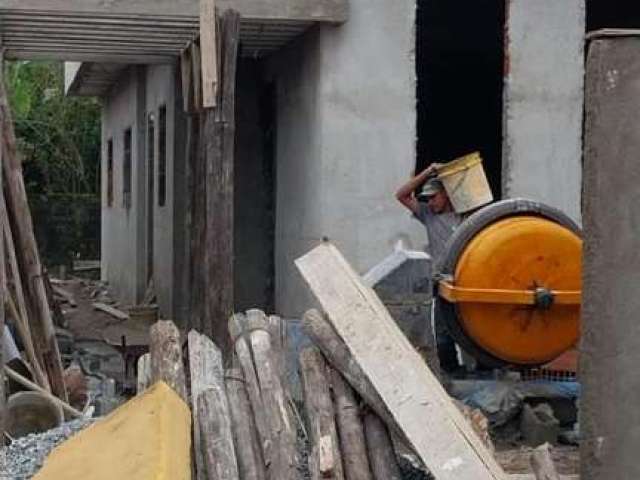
[[24, 457]]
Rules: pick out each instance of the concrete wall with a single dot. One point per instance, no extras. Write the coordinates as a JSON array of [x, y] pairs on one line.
[[609, 354], [542, 150], [346, 141], [122, 233]]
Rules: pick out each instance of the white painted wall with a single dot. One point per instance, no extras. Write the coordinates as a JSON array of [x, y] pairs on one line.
[[346, 141], [544, 98]]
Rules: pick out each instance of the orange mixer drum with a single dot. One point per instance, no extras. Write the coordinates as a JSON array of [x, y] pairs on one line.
[[511, 286]]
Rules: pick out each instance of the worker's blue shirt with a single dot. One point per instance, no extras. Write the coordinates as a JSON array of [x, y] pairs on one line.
[[440, 227]]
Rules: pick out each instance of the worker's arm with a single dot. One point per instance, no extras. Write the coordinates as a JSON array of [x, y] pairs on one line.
[[406, 193]]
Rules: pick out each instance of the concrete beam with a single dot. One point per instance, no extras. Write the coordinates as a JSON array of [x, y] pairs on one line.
[[299, 10]]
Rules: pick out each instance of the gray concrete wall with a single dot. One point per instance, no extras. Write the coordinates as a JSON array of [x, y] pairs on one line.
[[609, 354], [543, 109], [253, 196], [346, 141], [122, 256]]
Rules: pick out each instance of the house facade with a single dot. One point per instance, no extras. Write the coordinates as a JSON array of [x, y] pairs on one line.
[[328, 125]]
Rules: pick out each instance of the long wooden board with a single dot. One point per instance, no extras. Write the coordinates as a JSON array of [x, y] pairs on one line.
[[438, 432]]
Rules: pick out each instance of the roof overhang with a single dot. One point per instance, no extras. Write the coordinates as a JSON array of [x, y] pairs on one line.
[[146, 31]]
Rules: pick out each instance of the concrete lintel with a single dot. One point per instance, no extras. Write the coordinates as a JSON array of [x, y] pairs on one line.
[[335, 11]]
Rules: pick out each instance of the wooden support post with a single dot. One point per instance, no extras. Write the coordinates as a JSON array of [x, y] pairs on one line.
[[27, 250], [219, 138], [318, 328], [3, 278], [209, 52], [144, 373], [249, 454], [214, 420], [327, 461], [205, 367], [381, 454], [166, 357], [350, 429], [436, 429], [542, 464]]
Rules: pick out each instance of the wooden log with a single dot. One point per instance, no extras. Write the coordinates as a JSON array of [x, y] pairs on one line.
[[324, 336], [54, 304], [205, 367], [542, 463], [282, 460], [166, 357], [109, 310], [237, 328], [144, 373], [249, 454], [382, 457], [277, 330], [27, 251], [66, 295], [321, 425], [217, 439], [353, 445], [435, 428], [219, 137]]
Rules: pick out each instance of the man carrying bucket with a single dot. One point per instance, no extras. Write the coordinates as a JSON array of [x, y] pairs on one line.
[[434, 210]]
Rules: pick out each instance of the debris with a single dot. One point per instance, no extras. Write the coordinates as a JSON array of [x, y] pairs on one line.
[[65, 295], [114, 312], [77, 386], [153, 428], [539, 425]]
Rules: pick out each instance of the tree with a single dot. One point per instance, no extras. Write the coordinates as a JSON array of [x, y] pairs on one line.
[[58, 136]]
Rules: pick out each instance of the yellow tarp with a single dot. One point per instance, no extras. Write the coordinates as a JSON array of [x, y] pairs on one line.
[[148, 438]]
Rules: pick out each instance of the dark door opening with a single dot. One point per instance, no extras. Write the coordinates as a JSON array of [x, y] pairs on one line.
[[459, 62], [613, 14]]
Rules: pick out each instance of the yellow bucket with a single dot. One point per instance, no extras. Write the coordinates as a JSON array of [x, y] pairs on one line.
[[466, 183]]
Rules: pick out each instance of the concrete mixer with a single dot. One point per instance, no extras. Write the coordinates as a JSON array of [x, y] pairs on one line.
[[510, 284]]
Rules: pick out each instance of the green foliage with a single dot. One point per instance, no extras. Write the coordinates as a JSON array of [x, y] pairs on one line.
[[58, 136]]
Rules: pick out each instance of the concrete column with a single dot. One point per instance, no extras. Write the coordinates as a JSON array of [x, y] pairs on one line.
[[542, 151], [610, 353]]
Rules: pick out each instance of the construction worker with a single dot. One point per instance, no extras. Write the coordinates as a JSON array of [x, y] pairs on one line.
[[433, 209]]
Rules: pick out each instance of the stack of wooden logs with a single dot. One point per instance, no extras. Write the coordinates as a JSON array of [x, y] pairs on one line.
[[27, 295]]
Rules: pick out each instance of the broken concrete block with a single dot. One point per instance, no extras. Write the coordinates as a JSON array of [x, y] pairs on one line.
[[148, 438], [539, 425]]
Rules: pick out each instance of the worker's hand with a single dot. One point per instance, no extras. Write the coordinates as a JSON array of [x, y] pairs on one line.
[[433, 168]]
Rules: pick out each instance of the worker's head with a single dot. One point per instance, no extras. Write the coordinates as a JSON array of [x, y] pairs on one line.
[[434, 194]]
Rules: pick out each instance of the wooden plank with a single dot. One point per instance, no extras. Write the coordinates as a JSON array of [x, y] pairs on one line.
[[323, 433], [217, 437], [186, 80], [71, 55], [66, 295], [209, 52], [250, 461], [542, 464], [114, 312], [144, 373], [438, 432], [166, 357], [350, 429], [219, 148], [334, 11], [196, 75], [26, 248], [382, 458], [205, 367]]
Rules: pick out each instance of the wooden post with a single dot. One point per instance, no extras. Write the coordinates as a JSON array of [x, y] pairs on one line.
[[249, 454], [283, 453], [209, 52], [382, 457], [3, 279], [27, 250], [350, 429], [327, 461], [219, 138], [144, 373], [166, 357], [205, 367], [318, 328], [542, 464], [214, 420]]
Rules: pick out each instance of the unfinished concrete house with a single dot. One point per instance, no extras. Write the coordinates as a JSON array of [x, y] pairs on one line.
[[336, 106]]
